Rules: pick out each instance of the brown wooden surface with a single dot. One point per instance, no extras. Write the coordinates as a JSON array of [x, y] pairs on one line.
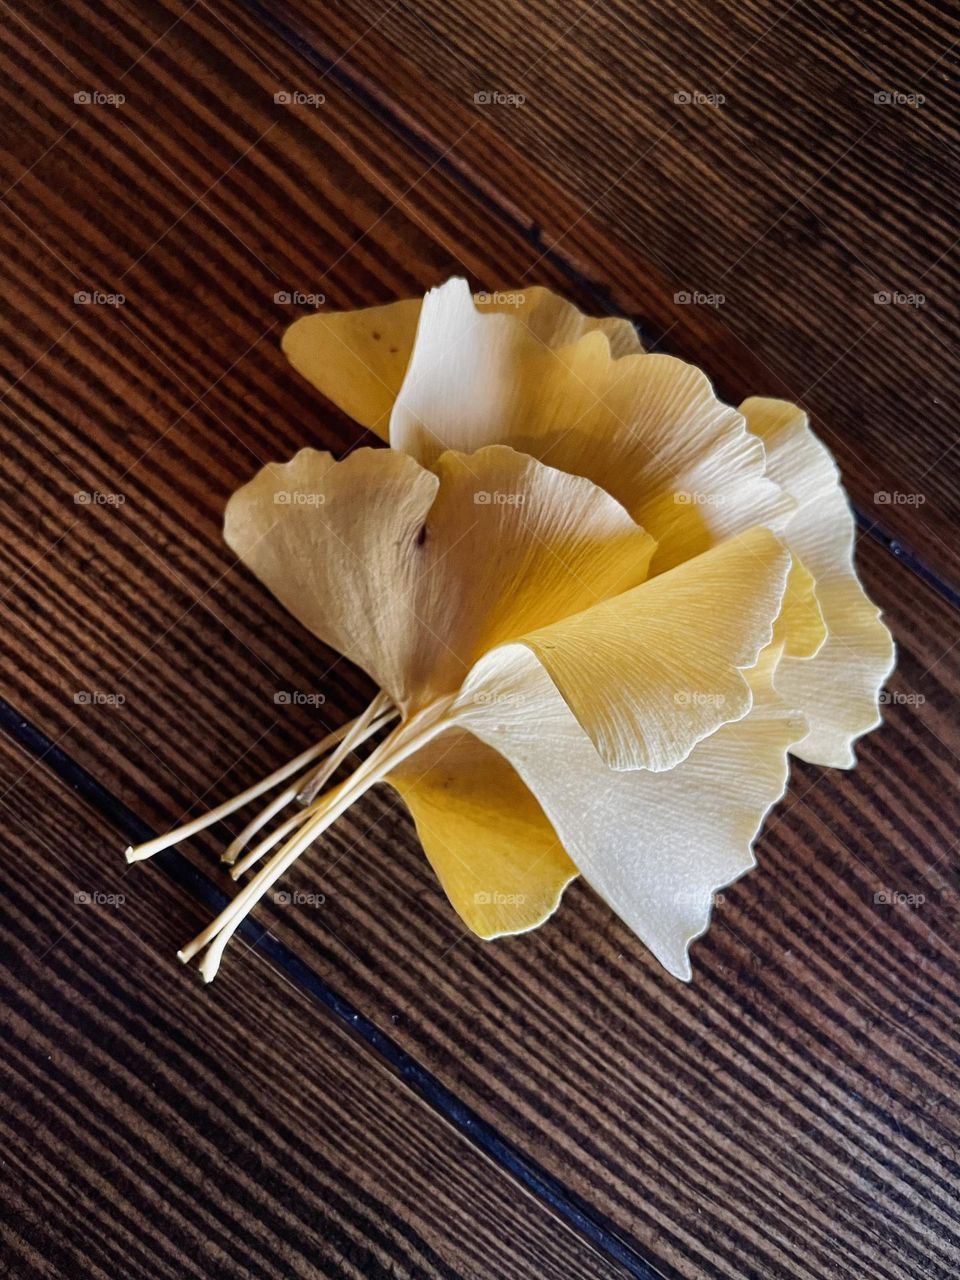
[[794, 1112], [161, 1142], [796, 200]]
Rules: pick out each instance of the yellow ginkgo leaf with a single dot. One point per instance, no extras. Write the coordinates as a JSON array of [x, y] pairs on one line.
[[800, 627], [652, 671], [358, 359], [647, 428], [838, 688], [415, 574], [655, 846], [554, 322], [493, 849]]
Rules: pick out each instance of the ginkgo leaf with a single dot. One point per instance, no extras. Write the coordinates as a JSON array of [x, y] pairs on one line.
[[646, 428], [601, 607], [333, 541], [652, 671], [554, 322], [489, 842], [358, 359], [837, 688], [415, 574], [655, 846], [800, 627]]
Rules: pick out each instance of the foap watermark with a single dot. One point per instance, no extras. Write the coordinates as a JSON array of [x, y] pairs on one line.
[[495, 98], [94, 498], [297, 298], [95, 898], [487, 698], [498, 498], [97, 98], [97, 698], [896, 898], [298, 98], [296, 898], [894, 98], [694, 98], [895, 298], [98, 298], [298, 698], [896, 698], [494, 898], [692, 498], [298, 498], [894, 498], [694, 298], [698, 698], [501, 299]]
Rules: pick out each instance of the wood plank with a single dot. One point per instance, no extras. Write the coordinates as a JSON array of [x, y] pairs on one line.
[[792, 1114], [798, 1105], [796, 201], [152, 1131], [829, 1091], [170, 402], [553, 236]]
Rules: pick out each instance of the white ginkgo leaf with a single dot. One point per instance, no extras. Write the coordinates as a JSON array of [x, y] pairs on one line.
[[646, 428], [655, 846], [358, 359], [839, 686]]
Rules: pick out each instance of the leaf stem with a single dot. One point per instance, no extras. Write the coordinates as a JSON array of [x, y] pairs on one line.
[[358, 733], [266, 844], [402, 742], [291, 792], [136, 853]]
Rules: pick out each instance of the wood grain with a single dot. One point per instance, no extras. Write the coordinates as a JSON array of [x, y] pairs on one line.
[[795, 201], [794, 1106], [791, 1114], [890, 439], [174, 1135]]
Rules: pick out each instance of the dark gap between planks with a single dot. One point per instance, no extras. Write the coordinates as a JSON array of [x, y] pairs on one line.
[[581, 1217]]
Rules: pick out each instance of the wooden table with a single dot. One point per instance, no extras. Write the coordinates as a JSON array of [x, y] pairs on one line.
[[365, 1091]]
